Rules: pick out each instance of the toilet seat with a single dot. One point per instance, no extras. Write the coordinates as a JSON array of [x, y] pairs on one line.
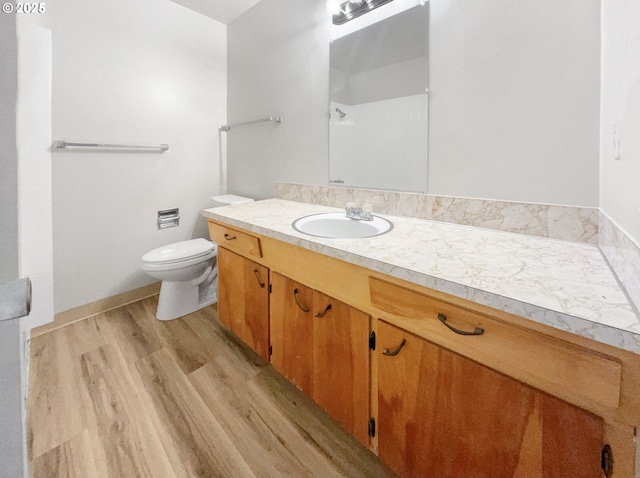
[[179, 254]]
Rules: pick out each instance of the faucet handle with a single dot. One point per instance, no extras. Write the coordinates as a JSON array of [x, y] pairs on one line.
[[367, 210]]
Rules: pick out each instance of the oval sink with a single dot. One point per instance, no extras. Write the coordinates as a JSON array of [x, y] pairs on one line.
[[337, 225]]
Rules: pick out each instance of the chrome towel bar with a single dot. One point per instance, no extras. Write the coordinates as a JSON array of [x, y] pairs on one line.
[[227, 127], [65, 144]]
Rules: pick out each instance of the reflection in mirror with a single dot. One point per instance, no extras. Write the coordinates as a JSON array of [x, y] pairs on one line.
[[378, 104]]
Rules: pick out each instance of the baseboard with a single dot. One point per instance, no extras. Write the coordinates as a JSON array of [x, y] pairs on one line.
[[85, 311]]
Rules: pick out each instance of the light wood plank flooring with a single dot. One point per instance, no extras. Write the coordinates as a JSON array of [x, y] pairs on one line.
[[125, 395]]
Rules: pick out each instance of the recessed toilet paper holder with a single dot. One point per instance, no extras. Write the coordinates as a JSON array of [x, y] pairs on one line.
[[168, 218]]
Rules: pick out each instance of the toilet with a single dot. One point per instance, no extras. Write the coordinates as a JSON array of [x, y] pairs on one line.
[[187, 270]]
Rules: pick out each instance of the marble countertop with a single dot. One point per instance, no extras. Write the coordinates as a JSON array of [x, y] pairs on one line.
[[566, 285]]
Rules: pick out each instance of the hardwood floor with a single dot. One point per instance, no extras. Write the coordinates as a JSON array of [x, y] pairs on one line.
[[125, 395]]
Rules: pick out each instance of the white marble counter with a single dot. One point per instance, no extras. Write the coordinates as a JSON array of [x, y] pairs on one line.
[[566, 285]]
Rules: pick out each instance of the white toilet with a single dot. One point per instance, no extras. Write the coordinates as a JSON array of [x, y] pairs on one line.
[[187, 270]]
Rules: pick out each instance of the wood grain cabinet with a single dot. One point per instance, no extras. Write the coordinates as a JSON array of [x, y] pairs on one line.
[[452, 388], [243, 304], [441, 414], [322, 346], [292, 331]]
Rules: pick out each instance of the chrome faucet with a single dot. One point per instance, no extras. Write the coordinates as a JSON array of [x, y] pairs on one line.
[[359, 214]]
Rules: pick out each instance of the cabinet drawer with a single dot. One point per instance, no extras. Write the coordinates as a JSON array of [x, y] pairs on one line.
[[551, 364], [241, 242]]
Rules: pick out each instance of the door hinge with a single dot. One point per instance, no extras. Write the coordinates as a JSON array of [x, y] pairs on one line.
[[270, 288], [372, 427], [270, 350], [372, 340]]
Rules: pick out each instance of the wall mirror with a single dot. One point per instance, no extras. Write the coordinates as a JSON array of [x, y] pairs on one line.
[[379, 80]]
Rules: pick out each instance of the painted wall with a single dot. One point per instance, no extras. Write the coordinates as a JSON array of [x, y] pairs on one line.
[[12, 451], [144, 72], [34, 157], [514, 109], [620, 178], [278, 61]]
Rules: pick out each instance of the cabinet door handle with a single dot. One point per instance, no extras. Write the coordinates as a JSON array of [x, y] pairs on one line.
[[322, 314], [257, 273], [395, 351], [228, 237], [295, 296], [477, 331]]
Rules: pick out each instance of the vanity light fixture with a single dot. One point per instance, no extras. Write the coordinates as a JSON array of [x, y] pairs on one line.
[[346, 10]]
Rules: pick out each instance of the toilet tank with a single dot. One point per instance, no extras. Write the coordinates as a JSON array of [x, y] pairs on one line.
[[228, 200]]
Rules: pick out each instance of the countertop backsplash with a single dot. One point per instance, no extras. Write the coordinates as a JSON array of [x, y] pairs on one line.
[[569, 223], [623, 255]]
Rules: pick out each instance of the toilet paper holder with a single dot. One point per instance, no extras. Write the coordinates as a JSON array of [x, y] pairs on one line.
[[168, 218]]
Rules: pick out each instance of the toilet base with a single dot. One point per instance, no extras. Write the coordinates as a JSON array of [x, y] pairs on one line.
[[182, 298]]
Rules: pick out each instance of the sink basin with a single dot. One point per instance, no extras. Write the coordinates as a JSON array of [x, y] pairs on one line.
[[337, 225]]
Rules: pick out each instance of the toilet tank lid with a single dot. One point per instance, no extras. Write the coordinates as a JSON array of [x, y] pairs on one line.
[[231, 199], [180, 251]]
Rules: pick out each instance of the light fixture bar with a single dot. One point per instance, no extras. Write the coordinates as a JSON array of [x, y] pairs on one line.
[[350, 9]]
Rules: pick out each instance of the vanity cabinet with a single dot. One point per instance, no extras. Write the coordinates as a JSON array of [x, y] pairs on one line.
[[292, 331], [472, 392], [243, 304], [322, 345], [441, 414]]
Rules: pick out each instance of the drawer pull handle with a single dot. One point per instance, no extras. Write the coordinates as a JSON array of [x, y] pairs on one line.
[[257, 273], [477, 331], [304, 308], [228, 237], [395, 351], [322, 314]]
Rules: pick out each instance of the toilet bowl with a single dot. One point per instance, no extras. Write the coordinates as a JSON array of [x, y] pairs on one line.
[[184, 268], [187, 270]]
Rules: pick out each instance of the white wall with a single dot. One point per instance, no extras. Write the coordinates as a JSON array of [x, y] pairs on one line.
[[514, 109], [34, 153], [278, 64], [143, 72], [620, 179]]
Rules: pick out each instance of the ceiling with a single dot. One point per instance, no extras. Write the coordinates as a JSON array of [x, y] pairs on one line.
[[224, 11]]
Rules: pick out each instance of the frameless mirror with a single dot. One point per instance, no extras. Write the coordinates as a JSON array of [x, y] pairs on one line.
[[378, 120]]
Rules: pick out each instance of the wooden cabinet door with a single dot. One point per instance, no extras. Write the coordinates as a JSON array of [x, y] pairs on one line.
[[243, 303], [441, 414], [292, 331], [341, 363]]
